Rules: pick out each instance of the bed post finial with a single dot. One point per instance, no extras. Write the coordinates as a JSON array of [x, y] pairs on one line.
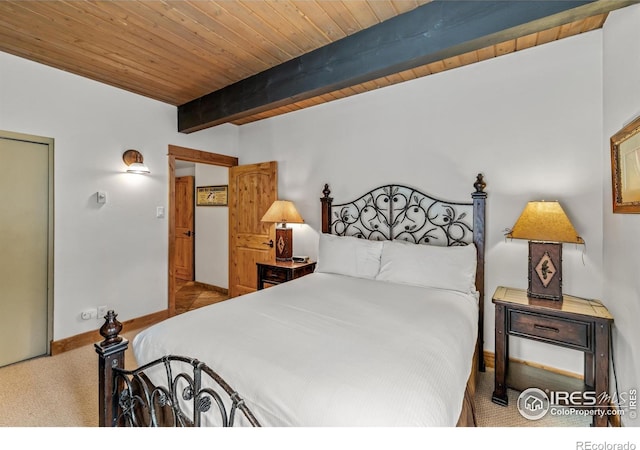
[[326, 209], [110, 329], [110, 357], [480, 184], [326, 191]]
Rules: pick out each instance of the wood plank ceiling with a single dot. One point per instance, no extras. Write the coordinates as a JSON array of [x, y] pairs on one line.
[[178, 51]]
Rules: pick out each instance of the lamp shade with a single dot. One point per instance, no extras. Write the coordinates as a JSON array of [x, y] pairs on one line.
[[282, 211], [545, 221], [138, 168]]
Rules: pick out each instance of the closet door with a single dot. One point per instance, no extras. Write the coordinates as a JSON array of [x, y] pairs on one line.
[[24, 248]]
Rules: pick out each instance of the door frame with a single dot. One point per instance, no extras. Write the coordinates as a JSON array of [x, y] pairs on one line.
[[196, 156], [49, 142]]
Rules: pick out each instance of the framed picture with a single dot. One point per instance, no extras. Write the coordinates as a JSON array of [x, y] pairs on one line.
[[212, 195], [625, 168]]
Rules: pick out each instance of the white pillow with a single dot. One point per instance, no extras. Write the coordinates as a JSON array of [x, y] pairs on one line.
[[429, 265], [347, 255]]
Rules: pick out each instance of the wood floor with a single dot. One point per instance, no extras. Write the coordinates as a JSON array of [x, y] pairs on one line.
[[192, 295]]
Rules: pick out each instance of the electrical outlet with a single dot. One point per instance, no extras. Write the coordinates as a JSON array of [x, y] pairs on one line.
[[89, 314], [102, 311]]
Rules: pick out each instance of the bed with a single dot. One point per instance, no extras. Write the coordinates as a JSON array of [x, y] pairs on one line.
[[386, 332]]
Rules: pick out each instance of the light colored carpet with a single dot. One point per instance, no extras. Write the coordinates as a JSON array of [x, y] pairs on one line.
[[62, 391], [491, 415], [53, 391]]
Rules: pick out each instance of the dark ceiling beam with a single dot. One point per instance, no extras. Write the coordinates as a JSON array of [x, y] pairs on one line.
[[432, 32]]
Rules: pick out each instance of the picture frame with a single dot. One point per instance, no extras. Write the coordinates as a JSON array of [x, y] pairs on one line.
[[625, 168], [212, 195]]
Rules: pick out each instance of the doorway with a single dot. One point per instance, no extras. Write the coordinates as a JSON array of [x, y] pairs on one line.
[[190, 293], [26, 246], [201, 287]]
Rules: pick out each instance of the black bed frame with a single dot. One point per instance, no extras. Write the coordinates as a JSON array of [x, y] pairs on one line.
[[128, 398]]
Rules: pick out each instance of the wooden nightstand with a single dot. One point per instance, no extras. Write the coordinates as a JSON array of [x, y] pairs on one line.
[[270, 274], [574, 322]]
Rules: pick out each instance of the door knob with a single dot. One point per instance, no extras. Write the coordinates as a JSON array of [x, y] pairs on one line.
[[188, 233], [270, 243]]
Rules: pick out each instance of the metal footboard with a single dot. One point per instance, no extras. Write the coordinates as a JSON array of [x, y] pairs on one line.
[[172, 391]]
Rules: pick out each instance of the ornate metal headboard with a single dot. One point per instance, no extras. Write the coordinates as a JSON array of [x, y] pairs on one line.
[[397, 212]]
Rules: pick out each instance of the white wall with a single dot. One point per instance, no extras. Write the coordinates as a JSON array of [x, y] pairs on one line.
[[621, 237], [114, 254], [212, 231], [530, 122], [186, 171]]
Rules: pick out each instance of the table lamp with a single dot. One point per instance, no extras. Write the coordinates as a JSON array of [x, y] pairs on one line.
[[546, 226], [283, 212]]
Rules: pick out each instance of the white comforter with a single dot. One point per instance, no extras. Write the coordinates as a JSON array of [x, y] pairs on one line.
[[332, 350]]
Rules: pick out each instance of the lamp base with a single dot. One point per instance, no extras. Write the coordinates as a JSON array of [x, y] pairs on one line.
[[545, 270], [284, 244]]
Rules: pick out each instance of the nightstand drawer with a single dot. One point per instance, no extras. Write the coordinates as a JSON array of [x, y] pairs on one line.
[[271, 274], [275, 274], [306, 270], [560, 331]]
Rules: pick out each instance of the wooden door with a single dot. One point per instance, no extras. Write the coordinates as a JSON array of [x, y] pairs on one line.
[[252, 189], [26, 261], [185, 242]]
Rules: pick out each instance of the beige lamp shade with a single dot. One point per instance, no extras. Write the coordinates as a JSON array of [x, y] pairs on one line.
[[282, 211], [545, 221]]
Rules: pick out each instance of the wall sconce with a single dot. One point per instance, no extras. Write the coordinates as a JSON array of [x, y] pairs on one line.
[[283, 211], [133, 159], [545, 225]]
